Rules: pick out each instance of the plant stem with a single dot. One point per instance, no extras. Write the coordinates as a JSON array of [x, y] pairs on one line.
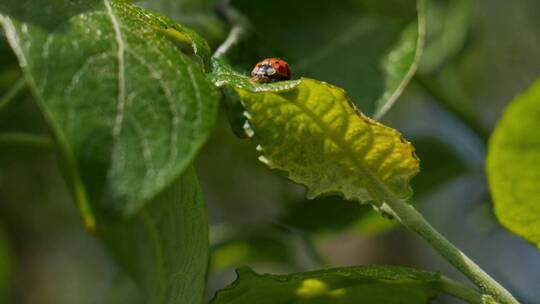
[[239, 30], [12, 93], [459, 291], [26, 140], [232, 39], [415, 222]]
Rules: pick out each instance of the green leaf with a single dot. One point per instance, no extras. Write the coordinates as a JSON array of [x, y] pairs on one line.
[[368, 284], [128, 109], [311, 130], [448, 24], [513, 166], [164, 247], [370, 48]]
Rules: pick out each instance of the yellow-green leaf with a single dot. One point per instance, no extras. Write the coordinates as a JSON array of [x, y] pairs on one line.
[[513, 166], [358, 284], [312, 130]]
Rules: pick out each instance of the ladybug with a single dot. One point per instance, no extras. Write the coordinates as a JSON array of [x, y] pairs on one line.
[[271, 70]]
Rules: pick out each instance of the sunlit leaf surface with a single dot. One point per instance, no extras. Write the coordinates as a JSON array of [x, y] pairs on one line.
[[513, 166], [311, 130]]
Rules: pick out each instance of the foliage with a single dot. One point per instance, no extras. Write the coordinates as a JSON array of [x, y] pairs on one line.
[[157, 246], [373, 57], [311, 130], [125, 141], [513, 166], [127, 98], [374, 284]]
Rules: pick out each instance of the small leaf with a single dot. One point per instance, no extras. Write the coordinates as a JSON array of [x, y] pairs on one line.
[[368, 284], [164, 247], [513, 166], [370, 48], [447, 26], [128, 109], [311, 130]]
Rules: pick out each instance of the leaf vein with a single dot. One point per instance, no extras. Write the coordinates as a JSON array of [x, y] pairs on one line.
[[121, 46]]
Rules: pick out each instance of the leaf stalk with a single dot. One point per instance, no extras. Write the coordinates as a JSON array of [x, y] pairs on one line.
[[12, 93], [415, 222], [239, 28]]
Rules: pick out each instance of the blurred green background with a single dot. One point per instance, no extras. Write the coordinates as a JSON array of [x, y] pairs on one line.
[[260, 219]]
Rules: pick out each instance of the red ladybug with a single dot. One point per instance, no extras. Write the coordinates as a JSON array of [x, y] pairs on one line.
[[271, 70]]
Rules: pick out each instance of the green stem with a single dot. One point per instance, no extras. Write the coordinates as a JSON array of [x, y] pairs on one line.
[[415, 222], [12, 93], [26, 140], [240, 28], [459, 291]]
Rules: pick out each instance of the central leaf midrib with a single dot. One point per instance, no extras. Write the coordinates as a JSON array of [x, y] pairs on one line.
[[120, 54]]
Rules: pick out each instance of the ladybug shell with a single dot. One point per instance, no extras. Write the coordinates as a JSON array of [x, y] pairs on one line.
[[271, 70]]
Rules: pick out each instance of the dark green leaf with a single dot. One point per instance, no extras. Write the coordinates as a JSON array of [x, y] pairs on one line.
[[363, 284], [513, 166], [164, 247], [128, 109], [370, 48]]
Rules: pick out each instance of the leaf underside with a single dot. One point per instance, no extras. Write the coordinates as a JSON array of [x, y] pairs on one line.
[[371, 284], [129, 110]]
